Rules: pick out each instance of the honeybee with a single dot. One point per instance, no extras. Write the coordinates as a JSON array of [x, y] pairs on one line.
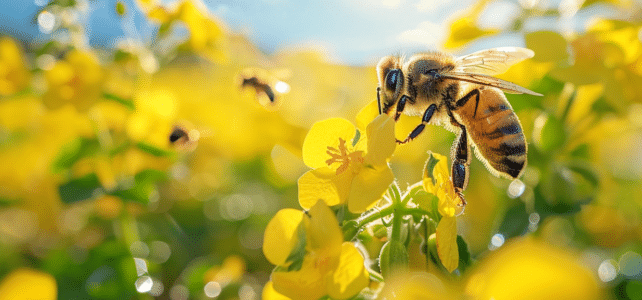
[[184, 139], [459, 93], [265, 84]]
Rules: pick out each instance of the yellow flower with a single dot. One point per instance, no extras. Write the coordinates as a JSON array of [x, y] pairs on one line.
[[206, 35], [529, 269], [464, 29], [329, 266], [346, 172], [14, 75], [28, 284], [77, 80], [416, 285], [437, 181]]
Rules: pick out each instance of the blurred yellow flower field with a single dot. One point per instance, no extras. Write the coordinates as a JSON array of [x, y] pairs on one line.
[[185, 161]]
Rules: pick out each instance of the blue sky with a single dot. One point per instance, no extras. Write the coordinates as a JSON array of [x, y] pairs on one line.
[[351, 31]]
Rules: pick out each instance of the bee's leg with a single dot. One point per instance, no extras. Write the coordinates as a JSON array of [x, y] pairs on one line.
[[379, 99], [424, 120], [461, 160], [401, 105], [474, 93]]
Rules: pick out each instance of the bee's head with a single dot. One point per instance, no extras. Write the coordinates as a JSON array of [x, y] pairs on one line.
[[391, 81]]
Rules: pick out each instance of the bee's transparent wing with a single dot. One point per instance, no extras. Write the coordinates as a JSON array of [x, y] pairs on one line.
[[492, 61], [489, 81]]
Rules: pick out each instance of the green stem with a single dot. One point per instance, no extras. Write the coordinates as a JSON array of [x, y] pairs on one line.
[[386, 211], [397, 219], [396, 195], [415, 212], [376, 276]]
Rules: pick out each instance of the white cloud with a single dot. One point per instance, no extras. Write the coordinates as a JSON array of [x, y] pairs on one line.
[[391, 3], [426, 33], [429, 5]]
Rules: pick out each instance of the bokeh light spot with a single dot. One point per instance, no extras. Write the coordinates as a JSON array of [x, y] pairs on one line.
[[516, 188], [46, 22], [496, 241], [607, 271], [212, 289], [160, 251], [139, 249], [144, 284], [141, 266], [631, 264], [282, 87]]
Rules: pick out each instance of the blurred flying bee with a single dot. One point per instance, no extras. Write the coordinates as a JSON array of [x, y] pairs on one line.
[[183, 138], [459, 93], [266, 86]]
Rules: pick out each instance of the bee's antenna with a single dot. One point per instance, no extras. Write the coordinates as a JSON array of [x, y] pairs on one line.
[[379, 99]]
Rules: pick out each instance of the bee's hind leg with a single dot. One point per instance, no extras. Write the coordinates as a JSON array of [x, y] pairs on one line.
[[430, 111], [461, 160]]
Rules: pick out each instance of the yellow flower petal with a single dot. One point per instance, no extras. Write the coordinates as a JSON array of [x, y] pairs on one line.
[[447, 243], [281, 235], [322, 135], [416, 285], [323, 184], [324, 234], [307, 283], [528, 269], [464, 30], [436, 165], [14, 75], [381, 140], [367, 114], [270, 294], [28, 284], [368, 186], [350, 276], [448, 200]]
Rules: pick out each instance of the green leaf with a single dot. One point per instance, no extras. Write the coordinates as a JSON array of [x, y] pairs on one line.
[[515, 221], [350, 230], [464, 256], [548, 133], [153, 150], [634, 290], [79, 189], [73, 151], [126, 102], [144, 186]]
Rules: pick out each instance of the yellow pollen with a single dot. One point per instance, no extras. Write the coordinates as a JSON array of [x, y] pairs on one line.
[[343, 156]]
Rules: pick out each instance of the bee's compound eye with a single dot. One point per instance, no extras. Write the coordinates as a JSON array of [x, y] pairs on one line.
[[391, 79]]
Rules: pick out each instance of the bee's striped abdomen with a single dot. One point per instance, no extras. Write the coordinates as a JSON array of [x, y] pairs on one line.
[[497, 133]]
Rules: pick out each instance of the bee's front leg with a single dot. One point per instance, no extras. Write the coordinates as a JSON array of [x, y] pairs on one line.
[[430, 111], [461, 160]]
